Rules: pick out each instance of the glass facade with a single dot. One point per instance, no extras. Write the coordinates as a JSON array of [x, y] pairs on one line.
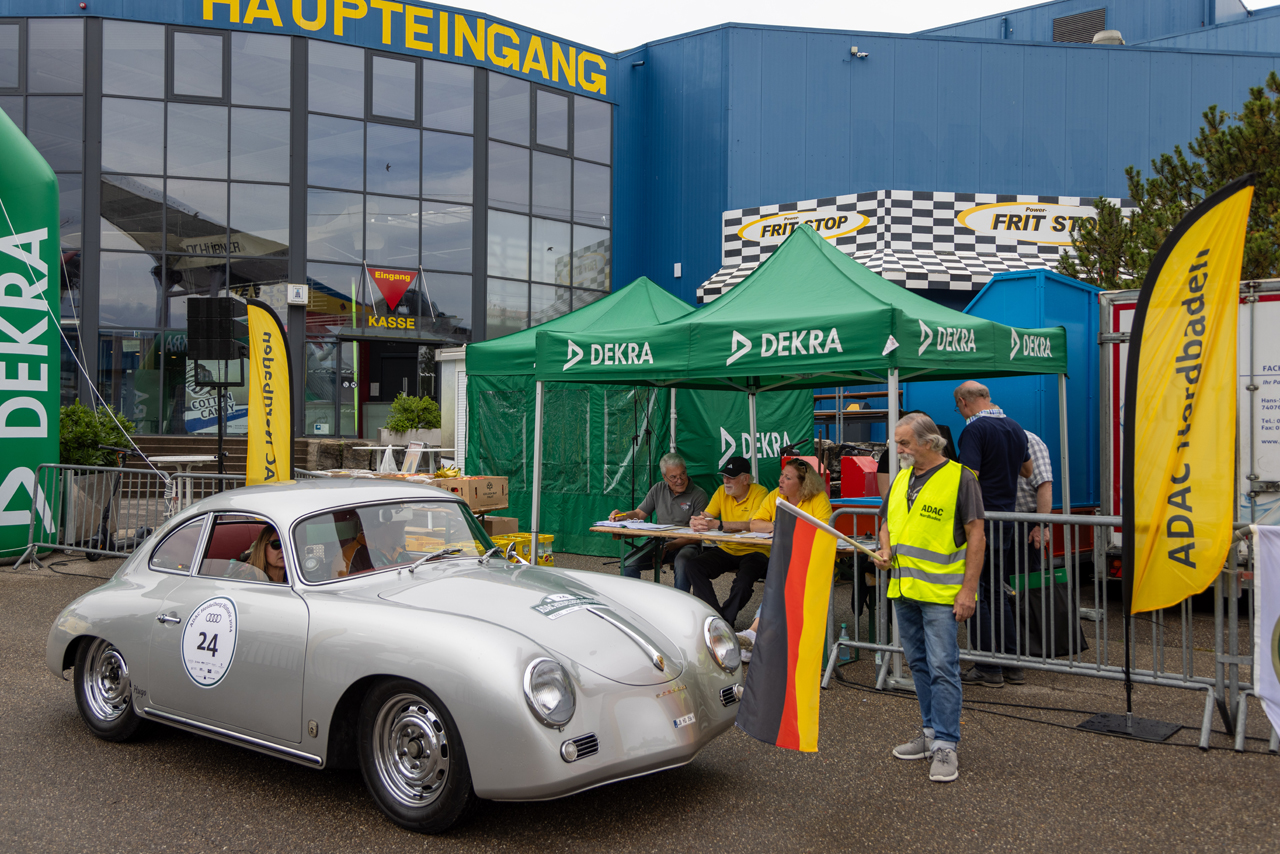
[[491, 194], [549, 203]]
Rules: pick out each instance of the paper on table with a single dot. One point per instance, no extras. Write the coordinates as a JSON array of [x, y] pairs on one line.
[[757, 534], [633, 525]]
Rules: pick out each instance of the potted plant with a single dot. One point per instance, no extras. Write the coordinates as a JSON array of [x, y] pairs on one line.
[[413, 419]]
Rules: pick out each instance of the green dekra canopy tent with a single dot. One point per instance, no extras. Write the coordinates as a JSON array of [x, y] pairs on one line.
[[603, 441], [809, 316], [641, 303], [500, 402]]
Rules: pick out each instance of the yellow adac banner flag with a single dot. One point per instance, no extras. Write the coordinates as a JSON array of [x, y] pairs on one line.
[[270, 457], [1180, 407]]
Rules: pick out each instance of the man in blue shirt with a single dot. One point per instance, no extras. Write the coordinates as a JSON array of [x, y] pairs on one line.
[[994, 447]]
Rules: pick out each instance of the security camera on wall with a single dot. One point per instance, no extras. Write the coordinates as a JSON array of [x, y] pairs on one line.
[[853, 51]]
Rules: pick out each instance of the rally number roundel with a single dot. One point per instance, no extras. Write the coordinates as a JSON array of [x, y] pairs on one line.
[[209, 641]]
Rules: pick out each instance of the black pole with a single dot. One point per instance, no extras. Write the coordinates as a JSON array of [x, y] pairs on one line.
[[1128, 676], [219, 390]]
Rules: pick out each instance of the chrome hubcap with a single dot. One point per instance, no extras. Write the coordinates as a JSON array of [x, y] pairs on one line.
[[106, 681], [411, 750]]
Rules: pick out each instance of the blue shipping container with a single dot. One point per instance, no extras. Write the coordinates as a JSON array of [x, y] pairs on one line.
[[1039, 298]]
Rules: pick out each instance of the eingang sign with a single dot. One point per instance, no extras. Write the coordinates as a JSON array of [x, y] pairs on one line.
[[434, 32]]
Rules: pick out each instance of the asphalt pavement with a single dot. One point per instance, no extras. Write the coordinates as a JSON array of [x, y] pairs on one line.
[[1029, 780]]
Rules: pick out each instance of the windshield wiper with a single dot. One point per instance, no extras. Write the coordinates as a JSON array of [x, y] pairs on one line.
[[496, 550], [434, 555]]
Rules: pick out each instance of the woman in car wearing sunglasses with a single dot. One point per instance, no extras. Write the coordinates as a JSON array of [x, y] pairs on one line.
[[265, 560]]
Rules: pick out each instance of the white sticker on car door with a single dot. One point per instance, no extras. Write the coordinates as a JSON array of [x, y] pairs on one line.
[[209, 641]]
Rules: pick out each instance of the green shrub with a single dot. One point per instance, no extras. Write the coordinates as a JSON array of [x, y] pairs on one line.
[[413, 413], [81, 431]]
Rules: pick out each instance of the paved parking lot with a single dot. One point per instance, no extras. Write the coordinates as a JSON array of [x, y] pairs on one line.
[[1029, 780]]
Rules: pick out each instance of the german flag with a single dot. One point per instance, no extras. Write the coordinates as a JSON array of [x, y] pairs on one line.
[[780, 699]]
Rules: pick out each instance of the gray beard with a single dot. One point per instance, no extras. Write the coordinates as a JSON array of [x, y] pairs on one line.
[[906, 461]]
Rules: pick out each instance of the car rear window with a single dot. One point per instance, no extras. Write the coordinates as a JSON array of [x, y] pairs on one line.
[[178, 551]]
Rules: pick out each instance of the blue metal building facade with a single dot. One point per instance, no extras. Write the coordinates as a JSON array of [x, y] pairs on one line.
[[742, 115]]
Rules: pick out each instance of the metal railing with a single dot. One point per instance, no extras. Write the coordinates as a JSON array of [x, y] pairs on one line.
[[1064, 616], [107, 512]]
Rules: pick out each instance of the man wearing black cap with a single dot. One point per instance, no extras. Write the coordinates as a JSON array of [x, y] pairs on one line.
[[730, 510]]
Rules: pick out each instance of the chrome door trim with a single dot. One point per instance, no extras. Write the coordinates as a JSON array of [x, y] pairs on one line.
[[256, 743]]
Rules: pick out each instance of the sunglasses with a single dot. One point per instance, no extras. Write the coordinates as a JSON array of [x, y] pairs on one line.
[[800, 465], [275, 544]]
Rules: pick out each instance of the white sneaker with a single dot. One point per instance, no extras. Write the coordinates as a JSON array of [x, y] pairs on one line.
[[945, 767]]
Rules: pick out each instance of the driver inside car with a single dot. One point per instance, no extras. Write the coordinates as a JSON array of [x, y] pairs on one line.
[[380, 541]]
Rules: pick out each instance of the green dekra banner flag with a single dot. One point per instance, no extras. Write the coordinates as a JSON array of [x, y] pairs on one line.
[[30, 353]]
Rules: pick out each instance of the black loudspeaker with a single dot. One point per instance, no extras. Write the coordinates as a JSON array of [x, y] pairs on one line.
[[216, 328]]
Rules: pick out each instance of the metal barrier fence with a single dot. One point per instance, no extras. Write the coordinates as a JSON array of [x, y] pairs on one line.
[[1064, 617], [107, 512]]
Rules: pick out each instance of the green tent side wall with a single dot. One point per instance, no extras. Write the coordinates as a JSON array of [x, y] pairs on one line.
[[589, 462]]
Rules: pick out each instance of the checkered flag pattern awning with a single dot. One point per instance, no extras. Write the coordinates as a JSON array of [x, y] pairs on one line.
[[915, 239]]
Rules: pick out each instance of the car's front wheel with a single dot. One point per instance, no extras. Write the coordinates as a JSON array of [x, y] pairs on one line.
[[412, 757], [104, 692]]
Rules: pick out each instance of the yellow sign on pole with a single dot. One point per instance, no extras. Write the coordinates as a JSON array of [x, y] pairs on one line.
[[270, 457], [1180, 407]]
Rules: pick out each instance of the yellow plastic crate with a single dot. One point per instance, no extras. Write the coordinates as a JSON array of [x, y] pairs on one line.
[[524, 543]]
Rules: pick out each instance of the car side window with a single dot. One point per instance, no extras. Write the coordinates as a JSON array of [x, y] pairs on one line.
[[230, 550], [178, 550]]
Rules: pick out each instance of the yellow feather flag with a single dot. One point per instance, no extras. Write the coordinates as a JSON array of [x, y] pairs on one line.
[[270, 457], [1178, 487]]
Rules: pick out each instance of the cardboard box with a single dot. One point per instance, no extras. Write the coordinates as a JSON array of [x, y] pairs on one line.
[[481, 493], [499, 525]]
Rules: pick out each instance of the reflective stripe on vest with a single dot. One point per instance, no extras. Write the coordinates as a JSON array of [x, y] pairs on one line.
[[922, 538]]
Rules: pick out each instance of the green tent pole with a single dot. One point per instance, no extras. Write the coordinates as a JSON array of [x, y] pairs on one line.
[[536, 498], [751, 416]]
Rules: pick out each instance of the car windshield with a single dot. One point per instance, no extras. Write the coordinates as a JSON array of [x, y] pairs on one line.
[[366, 538]]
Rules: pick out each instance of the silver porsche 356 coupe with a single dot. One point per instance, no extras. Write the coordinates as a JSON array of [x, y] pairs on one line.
[[373, 624]]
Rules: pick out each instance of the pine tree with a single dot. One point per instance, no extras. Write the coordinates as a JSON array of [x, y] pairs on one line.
[[1115, 251]]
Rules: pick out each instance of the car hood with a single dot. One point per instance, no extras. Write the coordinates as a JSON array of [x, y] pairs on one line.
[[564, 615]]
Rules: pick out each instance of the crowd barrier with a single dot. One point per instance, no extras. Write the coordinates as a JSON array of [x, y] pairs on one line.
[[1066, 617], [106, 512]]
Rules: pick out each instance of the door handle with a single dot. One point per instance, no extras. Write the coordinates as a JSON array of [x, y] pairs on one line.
[[166, 618]]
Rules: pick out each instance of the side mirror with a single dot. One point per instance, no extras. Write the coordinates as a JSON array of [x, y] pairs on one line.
[[511, 550]]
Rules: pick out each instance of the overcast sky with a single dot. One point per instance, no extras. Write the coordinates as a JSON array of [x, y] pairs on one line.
[[625, 25]]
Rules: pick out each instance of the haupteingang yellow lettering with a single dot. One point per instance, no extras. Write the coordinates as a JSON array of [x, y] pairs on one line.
[[425, 30]]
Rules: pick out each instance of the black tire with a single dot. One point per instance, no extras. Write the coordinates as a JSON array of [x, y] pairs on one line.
[[104, 693], [412, 757], [90, 556]]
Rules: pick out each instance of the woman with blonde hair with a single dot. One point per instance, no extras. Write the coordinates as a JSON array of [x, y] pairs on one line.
[[800, 485], [265, 561]]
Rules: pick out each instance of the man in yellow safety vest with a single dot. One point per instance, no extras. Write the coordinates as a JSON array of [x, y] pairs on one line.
[[931, 543]]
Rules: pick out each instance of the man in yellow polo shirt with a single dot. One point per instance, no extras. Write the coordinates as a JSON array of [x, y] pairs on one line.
[[730, 510]]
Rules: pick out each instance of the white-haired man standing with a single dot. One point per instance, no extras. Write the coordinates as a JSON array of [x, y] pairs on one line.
[[673, 501], [931, 544]]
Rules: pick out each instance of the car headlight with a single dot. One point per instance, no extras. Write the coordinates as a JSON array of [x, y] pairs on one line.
[[722, 643], [549, 692]]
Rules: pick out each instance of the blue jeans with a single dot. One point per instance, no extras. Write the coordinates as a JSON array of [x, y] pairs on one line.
[[928, 633], [642, 559]]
